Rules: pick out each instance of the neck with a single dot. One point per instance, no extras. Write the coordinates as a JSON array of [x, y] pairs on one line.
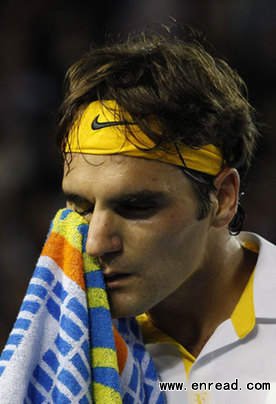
[[192, 313]]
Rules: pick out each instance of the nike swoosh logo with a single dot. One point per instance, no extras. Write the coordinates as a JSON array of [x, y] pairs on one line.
[[100, 125]]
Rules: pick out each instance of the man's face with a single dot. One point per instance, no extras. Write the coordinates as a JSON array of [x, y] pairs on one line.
[[142, 226]]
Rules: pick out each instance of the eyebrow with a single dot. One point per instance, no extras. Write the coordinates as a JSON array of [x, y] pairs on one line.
[[139, 196]]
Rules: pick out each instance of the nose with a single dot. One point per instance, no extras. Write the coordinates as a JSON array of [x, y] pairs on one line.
[[102, 235]]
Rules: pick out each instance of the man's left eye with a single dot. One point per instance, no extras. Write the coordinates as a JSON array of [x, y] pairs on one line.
[[136, 211]]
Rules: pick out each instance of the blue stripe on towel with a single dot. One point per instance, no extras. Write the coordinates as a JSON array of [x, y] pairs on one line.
[[65, 213], [128, 399], [71, 328], [34, 395], [95, 279], [43, 273], [22, 323], [37, 290], [62, 345], [6, 355], [66, 378], [150, 372], [107, 377], [43, 378], [160, 399], [30, 306], [53, 308], [59, 291], [148, 389], [139, 351], [84, 400], [80, 311], [134, 378], [104, 335], [80, 366], [83, 230], [85, 348], [142, 396], [59, 397], [14, 339], [51, 359]]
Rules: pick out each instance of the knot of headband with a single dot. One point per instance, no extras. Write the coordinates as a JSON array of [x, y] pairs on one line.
[[99, 130]]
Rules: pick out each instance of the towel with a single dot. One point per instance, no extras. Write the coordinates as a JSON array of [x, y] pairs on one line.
[[64, 346]]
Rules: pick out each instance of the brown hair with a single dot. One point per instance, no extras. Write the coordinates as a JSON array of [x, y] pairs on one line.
[[196, 98]]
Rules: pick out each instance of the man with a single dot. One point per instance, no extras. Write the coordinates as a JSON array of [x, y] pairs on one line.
[[157, 136]]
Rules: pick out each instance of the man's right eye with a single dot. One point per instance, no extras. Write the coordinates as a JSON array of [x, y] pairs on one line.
[[84, 212], [82, 209]]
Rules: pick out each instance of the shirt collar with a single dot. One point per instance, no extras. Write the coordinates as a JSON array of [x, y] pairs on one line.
[[264, 277]]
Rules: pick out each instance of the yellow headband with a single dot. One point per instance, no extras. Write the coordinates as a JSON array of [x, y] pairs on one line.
[[101, 130]]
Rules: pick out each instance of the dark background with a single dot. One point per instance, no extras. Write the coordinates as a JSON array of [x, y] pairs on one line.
[[39, 40]]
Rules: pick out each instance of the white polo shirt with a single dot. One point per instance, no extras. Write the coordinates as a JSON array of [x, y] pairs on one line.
[[237, 365]]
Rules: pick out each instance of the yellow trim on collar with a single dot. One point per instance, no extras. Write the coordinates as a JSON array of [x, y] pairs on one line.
[[102, 129], [152, 334], [243, 317]]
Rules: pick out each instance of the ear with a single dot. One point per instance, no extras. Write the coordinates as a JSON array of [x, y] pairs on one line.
[[227, 184]]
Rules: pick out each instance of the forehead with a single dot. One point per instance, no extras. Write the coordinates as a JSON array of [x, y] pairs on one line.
[[115, 173]]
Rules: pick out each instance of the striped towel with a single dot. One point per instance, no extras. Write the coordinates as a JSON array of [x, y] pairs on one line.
[[64, 347]]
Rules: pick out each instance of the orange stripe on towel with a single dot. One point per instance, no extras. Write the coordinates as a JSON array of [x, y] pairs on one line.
[[68, 258], [121, 349]]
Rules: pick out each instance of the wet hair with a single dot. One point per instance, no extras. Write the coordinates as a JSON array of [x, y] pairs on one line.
[[195, 97]]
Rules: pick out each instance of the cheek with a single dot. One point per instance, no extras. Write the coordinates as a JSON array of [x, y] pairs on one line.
[[162, 236], [177, 245], [174, 229]]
